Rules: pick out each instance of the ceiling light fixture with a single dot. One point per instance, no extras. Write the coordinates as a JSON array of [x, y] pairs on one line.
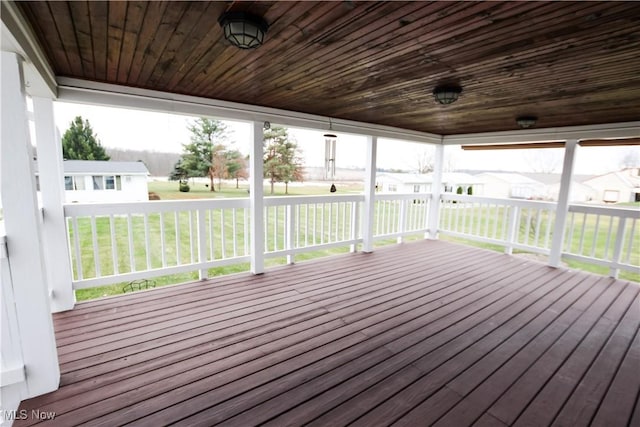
[[526, 122], [243, 30], [446, 94]]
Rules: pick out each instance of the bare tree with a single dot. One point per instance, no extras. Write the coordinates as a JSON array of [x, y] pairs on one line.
[[424, 161], [630, 158], [546, 160]]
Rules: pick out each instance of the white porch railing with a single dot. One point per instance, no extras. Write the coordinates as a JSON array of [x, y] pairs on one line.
[[117, 242], [603, 236], [514, 224], [594, 234], [398, 215], [12, 373], [302, 224]]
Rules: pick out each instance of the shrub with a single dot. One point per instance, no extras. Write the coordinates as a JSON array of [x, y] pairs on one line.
[[184, 187]]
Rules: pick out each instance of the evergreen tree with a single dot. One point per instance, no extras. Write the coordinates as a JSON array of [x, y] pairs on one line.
[[202, 155], [282, 158], [80, 143]]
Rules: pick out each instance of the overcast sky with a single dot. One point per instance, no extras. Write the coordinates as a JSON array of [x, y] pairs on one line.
[[142, 130]]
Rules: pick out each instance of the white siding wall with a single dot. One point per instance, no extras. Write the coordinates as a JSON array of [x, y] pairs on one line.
[[133, 189]]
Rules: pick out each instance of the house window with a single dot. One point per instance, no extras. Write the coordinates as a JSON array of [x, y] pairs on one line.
[[109, 183], [98, 182], [416, 188], [393, 187], [78, 182], [72, 183]]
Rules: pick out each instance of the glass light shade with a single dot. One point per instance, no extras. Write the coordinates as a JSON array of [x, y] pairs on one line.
[[447, 94], [243, 30]]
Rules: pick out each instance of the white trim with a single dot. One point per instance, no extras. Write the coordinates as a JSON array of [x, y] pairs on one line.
[[13, 375], [562, 208], [18, 37], [369, 194], [156, 272], [54, 235], [88, 92], [608, 130], [256, 199]]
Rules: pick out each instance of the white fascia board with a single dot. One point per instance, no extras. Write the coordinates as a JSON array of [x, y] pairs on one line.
[[18, 37], [603, 131], [95, 93]]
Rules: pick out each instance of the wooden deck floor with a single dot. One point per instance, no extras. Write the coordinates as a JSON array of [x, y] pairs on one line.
[[416, 334]]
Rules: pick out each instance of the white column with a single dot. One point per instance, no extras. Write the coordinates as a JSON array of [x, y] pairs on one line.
[[54, 234], [436, 190], [256, 196], [562, 209], [24, 239], [369, 194]]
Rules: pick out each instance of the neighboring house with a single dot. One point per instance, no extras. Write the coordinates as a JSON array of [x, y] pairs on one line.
[[421, 183], [617, 187], [511, 185], [105, 181], [403, 183], [579, 192]]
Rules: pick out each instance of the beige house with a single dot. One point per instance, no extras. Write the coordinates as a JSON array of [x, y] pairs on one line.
[[616, 187]]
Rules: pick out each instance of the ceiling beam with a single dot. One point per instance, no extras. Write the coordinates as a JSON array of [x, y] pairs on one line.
[[95, 93]]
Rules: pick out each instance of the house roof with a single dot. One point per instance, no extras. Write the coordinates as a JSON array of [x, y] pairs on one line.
[[570, 63], [511, 178], [414, 178], [628, 177], [104, 167]]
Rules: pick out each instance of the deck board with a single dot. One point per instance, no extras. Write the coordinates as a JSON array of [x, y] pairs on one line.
[[415, 334]]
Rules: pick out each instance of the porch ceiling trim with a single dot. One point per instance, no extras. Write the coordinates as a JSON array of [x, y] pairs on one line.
[[18, 37], [90, 92], [603, 131]]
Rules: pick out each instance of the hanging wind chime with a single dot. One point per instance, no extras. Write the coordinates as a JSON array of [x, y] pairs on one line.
[[330, 157]]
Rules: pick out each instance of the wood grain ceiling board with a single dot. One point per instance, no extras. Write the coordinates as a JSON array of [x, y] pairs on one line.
[[569, 63]]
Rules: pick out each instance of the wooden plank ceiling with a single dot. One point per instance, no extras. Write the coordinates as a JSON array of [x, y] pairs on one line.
[[569, 63]]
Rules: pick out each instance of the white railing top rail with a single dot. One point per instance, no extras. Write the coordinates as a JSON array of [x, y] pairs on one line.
[[605, 210], [295, 200], [402, 196], [77, 209], [500, 201]]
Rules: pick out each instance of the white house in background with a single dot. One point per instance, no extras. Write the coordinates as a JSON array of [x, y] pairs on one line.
[[421, 183], [616, 187], [511, 185], [105, 181]]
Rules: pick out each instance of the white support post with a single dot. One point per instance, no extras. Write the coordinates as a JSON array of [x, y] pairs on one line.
[[291, 225], [355, 214], [514, 214], [54, 230], [562, 208], [203, 273], [22, 224], [436, 191], [369, 194], [402, 219], [617, 249], [256, 196]]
